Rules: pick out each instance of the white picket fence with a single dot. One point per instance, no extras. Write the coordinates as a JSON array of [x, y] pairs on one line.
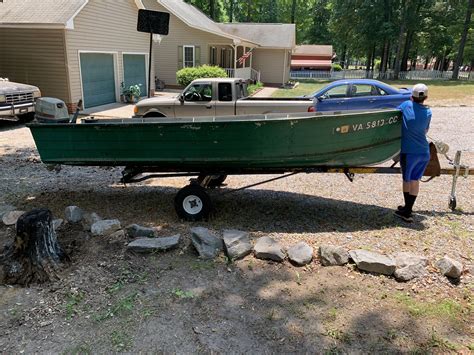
[[363, 74]]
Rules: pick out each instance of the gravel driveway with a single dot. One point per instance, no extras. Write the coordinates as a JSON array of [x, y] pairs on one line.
[[317, 208]]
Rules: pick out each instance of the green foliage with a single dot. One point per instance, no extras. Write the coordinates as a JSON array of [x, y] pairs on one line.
[[73, 301], [336, 67], [254, 87], [418, 28], [132, 91], [186, 75], [182, 294]]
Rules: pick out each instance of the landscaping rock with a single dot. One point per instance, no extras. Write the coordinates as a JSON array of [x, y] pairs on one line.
[[73, 214], [105, 227], [300, 254], [237, 244], [268, 248], [409, 272], [10, 218], [373, 262], [6, 208], [119, 235], [404, 259], [57, 223], [89, 219], [409, 266], [136, 231], [449, 267], [331, 255], [149, 245], [207, 245]]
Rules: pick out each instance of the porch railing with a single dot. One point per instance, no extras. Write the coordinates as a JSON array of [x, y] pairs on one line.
[[230, 72]]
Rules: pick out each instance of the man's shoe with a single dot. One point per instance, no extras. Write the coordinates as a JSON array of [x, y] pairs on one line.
[[400, 208], [404, 215]]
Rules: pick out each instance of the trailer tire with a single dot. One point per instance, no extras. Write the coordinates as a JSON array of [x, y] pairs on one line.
[[192, 203]]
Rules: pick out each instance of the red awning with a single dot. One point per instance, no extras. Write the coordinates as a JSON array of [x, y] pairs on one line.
[[310, 63]]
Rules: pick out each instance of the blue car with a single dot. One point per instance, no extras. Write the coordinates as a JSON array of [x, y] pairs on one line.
[[358, 94]]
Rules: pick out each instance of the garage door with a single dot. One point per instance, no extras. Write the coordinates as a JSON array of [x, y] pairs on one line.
[[98, 79], [134, 66]]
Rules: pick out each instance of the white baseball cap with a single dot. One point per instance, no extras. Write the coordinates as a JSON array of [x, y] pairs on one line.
[[420, 91]]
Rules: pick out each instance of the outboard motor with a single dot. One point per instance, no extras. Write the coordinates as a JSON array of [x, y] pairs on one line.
[[51, 110]]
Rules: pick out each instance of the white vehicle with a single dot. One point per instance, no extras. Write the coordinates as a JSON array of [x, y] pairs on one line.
[[17, 100], [219, 97]]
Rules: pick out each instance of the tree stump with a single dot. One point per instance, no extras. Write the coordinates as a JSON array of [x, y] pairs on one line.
[[35, 255]]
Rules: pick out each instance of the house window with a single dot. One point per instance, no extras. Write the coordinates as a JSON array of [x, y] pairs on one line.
[[188, 55], [213, 56]]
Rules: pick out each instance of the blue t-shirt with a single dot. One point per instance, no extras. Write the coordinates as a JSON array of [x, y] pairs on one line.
[[416, 121]]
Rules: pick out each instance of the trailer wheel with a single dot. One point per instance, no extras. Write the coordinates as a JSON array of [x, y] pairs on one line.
[[452, 203], [192, 203]]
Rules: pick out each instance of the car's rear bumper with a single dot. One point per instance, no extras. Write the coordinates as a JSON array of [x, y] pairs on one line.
[[16, 110]]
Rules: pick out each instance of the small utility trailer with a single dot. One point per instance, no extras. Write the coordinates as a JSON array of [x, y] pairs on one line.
[[193, 203]]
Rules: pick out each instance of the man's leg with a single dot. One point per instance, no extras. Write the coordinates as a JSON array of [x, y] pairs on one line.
[[406, 192], [414, 189]]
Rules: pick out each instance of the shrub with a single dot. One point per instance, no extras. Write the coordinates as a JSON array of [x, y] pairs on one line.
[[186, 75], [254, 87], [336, 67]]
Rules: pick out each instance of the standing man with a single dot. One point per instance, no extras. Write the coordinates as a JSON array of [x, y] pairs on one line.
[[415, 151]]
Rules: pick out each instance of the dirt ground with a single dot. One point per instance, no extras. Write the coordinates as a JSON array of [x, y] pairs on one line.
[[111, 300]]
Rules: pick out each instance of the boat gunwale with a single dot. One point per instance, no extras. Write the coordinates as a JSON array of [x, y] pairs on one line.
[[271, 117]]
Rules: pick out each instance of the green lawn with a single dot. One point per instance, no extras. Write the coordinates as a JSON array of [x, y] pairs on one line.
[[441, 92]]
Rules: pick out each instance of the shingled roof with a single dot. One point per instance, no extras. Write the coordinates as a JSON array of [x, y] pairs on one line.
[[269, 35], [42, 13]]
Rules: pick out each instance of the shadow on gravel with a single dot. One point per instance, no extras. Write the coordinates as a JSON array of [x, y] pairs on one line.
[[253, 210], [7, 125]]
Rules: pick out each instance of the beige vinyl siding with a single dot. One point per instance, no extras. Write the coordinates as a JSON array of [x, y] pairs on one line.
[[180, 34], [36, 57], [105, 26], [272, 64]]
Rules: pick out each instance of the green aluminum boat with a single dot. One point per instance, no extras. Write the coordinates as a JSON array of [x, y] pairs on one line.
[[225, 144]]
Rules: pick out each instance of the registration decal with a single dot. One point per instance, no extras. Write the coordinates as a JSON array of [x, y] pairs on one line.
[[357, 127]]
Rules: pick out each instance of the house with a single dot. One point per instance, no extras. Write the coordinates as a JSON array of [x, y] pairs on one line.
[[312, 57], [85, 49], [195, 39], [74, 49]]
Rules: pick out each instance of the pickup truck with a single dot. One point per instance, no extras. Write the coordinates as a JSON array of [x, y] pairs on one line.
[[218, 97], [17, 100]]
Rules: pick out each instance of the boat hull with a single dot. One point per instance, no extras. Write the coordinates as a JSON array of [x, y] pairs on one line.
[[205, 144]]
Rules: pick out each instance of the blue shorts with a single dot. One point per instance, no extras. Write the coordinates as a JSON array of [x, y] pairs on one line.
[[413, 165]]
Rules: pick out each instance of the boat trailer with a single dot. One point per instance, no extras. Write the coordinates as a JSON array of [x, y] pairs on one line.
[[193, 203]]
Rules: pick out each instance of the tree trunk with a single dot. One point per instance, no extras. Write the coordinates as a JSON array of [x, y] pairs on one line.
[[403, 19], [459, 57], [231, 11], [406, 51], [293, 11], [385, 55], [35, 254], [343, 57], [372, 63], [368, 63], [249, 10], [212, 9], [427, 60]]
